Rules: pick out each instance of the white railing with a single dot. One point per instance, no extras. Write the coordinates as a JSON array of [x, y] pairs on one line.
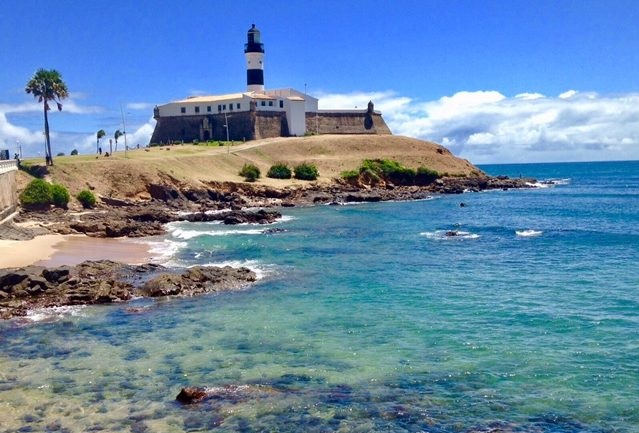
[[8, 165]]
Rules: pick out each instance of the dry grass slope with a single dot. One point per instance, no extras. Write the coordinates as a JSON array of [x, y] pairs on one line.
[[187, 164]]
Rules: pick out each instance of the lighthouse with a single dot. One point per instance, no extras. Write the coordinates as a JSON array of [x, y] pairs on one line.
[[254, 53]]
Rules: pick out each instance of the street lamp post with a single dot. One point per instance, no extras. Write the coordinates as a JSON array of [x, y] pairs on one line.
[[124, 131], [226, 125]]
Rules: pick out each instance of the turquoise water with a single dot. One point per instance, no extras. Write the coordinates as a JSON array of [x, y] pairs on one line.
[[368, 318]]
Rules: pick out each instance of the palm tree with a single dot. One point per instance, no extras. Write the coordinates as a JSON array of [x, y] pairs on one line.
[[117, 135], [101, 133], [47, 85]]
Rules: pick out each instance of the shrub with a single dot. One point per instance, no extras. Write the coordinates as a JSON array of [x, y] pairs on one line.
[[36, 194], [425, 176], [306, 171], [350, 175], [390, 170], [60, 154], [279, 171], [86, 198], [250, 172], [74, 152], [59, 195]]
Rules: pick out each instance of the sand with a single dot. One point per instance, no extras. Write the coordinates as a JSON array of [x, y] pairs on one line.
[[58, 250]]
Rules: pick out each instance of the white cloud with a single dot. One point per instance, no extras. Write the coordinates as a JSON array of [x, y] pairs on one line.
[[146, 106], [489, 127]]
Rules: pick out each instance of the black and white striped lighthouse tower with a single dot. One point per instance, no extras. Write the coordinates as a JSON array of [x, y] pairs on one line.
[[254, 52]]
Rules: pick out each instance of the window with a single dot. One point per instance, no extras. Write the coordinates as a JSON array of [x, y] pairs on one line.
[[231, 107], [270, 103], [208, 108], [281, 104], [219, 108], [263, 103], [197, 109], [182, 110], [238, 105], [224, 107]]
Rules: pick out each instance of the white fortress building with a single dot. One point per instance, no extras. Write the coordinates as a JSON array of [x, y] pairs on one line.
[[258, 112]]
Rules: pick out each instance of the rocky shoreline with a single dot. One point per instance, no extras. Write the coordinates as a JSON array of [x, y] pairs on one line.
[[228, 204], [98, 282], [106, 282]]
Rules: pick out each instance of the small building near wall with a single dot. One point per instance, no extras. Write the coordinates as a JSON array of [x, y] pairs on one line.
[[257, 113]]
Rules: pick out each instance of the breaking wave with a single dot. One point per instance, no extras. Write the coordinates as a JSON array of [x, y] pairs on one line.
[[528, 233]]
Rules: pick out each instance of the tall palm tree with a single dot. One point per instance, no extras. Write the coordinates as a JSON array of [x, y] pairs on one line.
[[47, 85], [117, 135], [100, 134]]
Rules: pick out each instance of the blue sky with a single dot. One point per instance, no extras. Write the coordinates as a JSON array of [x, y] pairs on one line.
[[495, 81]]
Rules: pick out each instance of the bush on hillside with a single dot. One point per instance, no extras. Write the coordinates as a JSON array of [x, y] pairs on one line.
[[86, 198], [306, 171], [425, 176], [59, 195], [250, 172], [279, 171], [350, 175], [37, 194], [74, 152], [389, 170]]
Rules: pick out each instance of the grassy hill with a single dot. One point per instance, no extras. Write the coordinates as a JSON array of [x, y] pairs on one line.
[[126, 176]]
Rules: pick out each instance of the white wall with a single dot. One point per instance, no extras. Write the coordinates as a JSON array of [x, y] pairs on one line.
[[175, 108], [296, 117]]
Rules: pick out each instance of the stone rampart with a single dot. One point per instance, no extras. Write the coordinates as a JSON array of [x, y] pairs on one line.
[[342, 122], [255, 125], [8, 188], [204, 128], [270, 124], [245, 125]]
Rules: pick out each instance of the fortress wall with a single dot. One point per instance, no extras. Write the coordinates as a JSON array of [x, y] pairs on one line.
[[270, 124], [253, 125], [346, 123], [8, 188], [204, 127]]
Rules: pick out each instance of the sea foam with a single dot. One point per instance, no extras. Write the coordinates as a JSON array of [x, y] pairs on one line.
[[528, 233], [446, 235]]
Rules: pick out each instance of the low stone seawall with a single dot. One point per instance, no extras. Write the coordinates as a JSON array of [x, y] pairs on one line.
[[8, 188], [340, 122]]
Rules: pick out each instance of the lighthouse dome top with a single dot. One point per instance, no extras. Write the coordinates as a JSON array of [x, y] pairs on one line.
[[254, 41]]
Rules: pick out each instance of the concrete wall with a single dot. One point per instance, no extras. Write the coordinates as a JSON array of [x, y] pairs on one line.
[[346, 122], [8, 188]]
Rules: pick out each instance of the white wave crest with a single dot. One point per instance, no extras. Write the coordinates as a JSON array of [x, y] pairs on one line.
[[450, 235], [528, 233], [549, 183], [52, 314], [165, 249]]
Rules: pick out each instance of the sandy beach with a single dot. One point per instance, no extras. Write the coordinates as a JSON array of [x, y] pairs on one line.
[[58, 250]]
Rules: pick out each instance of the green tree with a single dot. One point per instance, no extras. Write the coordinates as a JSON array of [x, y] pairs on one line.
[[100, 134], [117, 135], [45, 86]]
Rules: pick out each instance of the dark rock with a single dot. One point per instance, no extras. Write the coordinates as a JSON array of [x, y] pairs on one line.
[[191, 394], [116, 202], [58, 275]]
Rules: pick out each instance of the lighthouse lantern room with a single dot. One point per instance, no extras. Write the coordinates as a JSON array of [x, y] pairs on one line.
[[254, 52]]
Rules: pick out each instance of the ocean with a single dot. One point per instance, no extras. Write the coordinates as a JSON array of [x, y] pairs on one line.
[[516, 312]]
